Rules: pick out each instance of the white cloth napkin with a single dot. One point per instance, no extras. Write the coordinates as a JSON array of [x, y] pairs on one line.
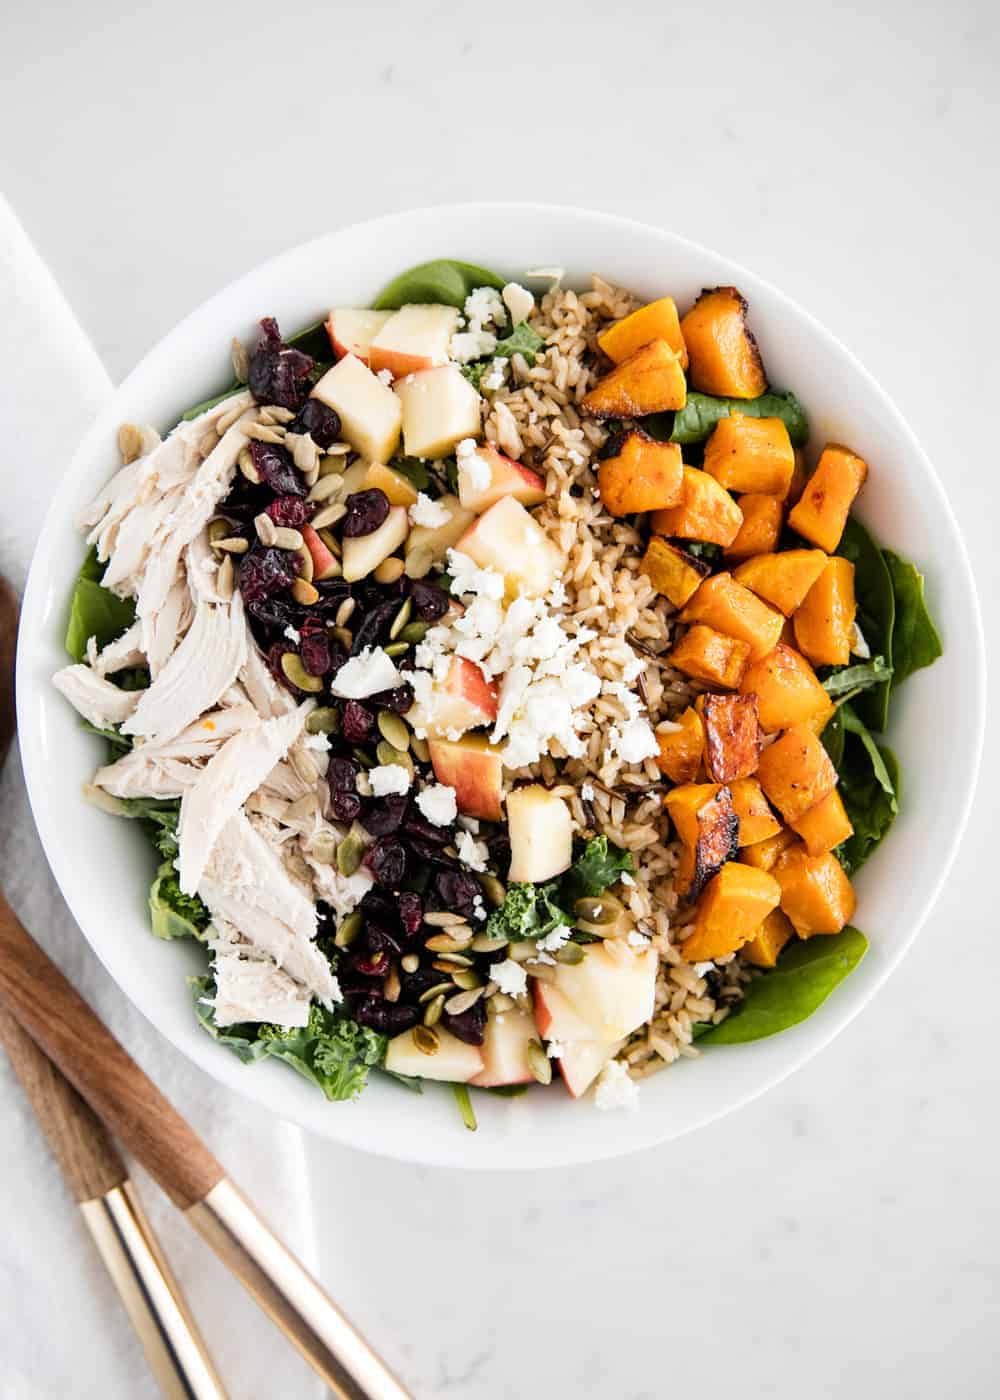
[[63, 1331]]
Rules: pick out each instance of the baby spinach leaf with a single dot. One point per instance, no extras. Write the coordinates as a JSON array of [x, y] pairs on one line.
[[521, 341], [414, 470], [206, 404], [915, 641], [876, 612], [95, 611], [869, 787], [806, 974], [848, 681], [444, 281], [702, 412], [833, 738]]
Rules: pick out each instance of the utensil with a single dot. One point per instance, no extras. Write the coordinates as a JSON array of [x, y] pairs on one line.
[[94, 1170]]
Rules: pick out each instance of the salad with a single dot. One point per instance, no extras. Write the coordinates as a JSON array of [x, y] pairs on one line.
[[501, 685]]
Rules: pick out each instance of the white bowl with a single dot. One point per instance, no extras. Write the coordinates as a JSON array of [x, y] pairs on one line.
[[103, 866]]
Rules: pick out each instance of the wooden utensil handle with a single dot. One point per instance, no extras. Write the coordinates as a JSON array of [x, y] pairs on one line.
[[55, 1016]]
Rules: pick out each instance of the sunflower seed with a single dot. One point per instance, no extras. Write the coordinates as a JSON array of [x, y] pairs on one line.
[[501, 1002], [570, 954], [305, 453], [305, 594], [441, 918], [409, 962], [129, 442], [350, 926], [225, 578], [329, 515], [391, 987], [223, 424], [421, 748], [432, 1014], [247, 467], [437, 990], [396, 648], [323, 847], [363, 784], [266, 530], [302, 809], [241, 360], [263, 432], [394, 730], [389, 570], [275, 413], [539, 1063], [334, 462], [344, 613], [325, 487], [426, 1040], [457, 1004], [445, 943], [349, 854], [401, 619], [304, 765], [414, 632], [285, 538], [325, 720], [466, 978], [233, 544], [291, 664], [483, 943], [493, 889], [305, 564]]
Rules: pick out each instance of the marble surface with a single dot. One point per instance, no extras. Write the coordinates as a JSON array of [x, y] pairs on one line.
[[841, 1235]]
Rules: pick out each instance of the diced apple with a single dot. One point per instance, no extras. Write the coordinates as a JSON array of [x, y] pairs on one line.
[[399, 490], [509, 539], [414, 338], [505, 1050], [440, 408], [370, 413], [506, 478], [474, 770], [453, 1061], [364, 553], [613, 992], [581, 1062], [428, 544], [355, 478], [541, 834], [325, 565], [555, 1017], [352, 330], [465, 700]]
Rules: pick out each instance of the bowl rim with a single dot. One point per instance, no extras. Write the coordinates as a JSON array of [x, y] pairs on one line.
[[207, 1056]]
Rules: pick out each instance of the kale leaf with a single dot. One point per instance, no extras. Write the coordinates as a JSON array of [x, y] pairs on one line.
[[531, 911], [599, 865], [523, 340], [172, 913]]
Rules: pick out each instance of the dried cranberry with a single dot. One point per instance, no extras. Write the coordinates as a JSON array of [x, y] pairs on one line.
[[291, 511], [345, 805], [366, 511], [314, 650], [278, 374], [386, 1017], [342, 774], [375, 966], [382, 815], [421, 829], [470, 1025], [411, 912], [374, 626], [387, 862], [264, 571], [381, 940], [429, 602], [414, 984], [275, 466], [399, 699], [321, 422], [459, 893], [356, 722]]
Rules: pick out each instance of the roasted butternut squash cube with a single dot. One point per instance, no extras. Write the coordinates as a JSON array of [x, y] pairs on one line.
[[822, 512], [784, 579], [722, 354], [730, 608], [757, 822], [649, 381], [799, 478], [761, 528], [824, 623], [796, 773], [768, 941], [682, 749], [735, 903], [656, 321], [707, 655], [732, 736], [706, 512], [788, 691], [672, 572], [824, 826], [703, 817], [750, 454], [816, 894], [639, 473], [764, 854]]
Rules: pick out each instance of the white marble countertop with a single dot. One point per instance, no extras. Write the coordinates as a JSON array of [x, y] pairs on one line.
[[840, 1236]]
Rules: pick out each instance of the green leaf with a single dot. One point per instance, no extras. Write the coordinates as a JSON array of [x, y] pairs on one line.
[[159, 815], [806, 974], [833, 738], [529, 911], [414, 470], [876, 612], [465, 1108], [474, 372], [206, 404], [507, 1091], [415, 1086], [868, 782], [118, 744], [848, 681], [95, 611], [915, 641], [444, 281], [172, 913], [451, 475], [702, 413], [521, 341], [599, 865]]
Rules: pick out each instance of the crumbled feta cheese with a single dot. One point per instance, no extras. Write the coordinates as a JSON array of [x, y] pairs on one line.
[[634, 740], [386, 376], [472, 468], [555, 939], [389, 778], [859, 647], [438, 804], [471, 852], [365, 674], [494, 378], [587, 792], [702, 967], [637, 940], [615, 1089], [426, 511], [627, 879], [557, 594], [467, 346], [478, 907], [555, 1049], [319, 742], [510, 977], [518, 301], [483, 307], [293, 635]]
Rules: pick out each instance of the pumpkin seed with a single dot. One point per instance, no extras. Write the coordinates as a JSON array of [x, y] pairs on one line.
[[437, 990], [454, 959], [433, 1012], [445, 943], [421, 748], [233, 544], [267, 531], [539, 1063], [483, 943], [392, 987], [409, 962], [350, 925], [457, 1004], [490, 990], [329, 515], [426, 1040], [306, 566], [345, 612], [493, 889], [363, 758], [466, 978], [218, 530], [401, 619], [394, 730], [291, 664], [521, 952], [247, 468], [306, 595], [442, 918], [325, 720], [389, 570], [571, 954], [344, 637], [225, 578], [349, 854], [600, 909], [386, 755], [396, 648], [287, 538], [413, 632]]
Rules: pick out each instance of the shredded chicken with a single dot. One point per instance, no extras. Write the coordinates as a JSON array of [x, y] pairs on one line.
[[99, 701]]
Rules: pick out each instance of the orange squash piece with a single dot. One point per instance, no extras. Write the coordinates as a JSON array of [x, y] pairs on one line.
[[784, 579], [751, 454], [656, 321], [730, 608], [816, 894], [722, 354], [821, 514], [799, 478], [788, 691], [757, 822], [796, 773], [824, 623], [735, 903], [732, 736], [824, 826], [682, 749], [708, 828], [761, 528], [765, 854], [768, 941], [671, 571], [640, 474], [650, 381], [707, 655], [706, 512]]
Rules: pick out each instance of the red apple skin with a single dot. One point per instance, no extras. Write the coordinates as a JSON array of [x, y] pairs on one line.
[[474, 770], [397, 362], [467, 680], [507, 478], [586, 1060], [323, 559], [339, 348]]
